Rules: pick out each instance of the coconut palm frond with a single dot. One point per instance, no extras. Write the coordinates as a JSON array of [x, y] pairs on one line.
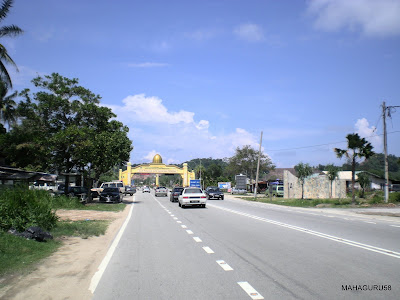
[[11, 30]]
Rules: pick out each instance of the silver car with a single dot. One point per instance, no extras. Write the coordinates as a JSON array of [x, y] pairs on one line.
[[161, 191], [192, 196]]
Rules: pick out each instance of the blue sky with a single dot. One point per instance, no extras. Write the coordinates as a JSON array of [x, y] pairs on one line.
[[199, 78]]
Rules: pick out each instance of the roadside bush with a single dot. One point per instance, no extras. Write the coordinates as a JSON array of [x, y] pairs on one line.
[[65, 202], [21, 208], [394, 197], [376, 199]]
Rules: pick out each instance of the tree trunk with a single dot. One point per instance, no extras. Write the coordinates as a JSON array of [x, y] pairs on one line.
[[353, 179], [330, 196]]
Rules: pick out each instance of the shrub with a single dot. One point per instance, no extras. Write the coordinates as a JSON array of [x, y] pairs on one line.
[[375, 199], [21, 208], [394, 197]]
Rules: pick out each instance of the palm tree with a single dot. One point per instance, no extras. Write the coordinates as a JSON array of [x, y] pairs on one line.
[[7, 105], [333, 172], [8, 31], [357, 147], [303, 171]]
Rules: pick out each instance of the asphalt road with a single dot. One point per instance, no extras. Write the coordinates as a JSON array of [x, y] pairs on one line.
[[236, 249]]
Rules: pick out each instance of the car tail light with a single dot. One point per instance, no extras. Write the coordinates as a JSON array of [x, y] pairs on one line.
[[185, 197], [203, 197]]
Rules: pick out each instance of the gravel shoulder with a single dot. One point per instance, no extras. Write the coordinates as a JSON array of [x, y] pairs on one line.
[[67, 273]]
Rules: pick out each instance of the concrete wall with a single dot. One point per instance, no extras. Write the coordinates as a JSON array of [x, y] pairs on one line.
[[314, 187]]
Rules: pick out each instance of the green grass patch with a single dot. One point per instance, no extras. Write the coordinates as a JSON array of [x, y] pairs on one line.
[[83, 229], [19, 254], [301, 202], [64, 202]]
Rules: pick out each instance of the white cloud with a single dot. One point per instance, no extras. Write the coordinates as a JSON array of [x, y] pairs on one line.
[[364, 130], [148, 65], [150, 155], [151, 110], [249, 32], [371, 17], [175, 134]]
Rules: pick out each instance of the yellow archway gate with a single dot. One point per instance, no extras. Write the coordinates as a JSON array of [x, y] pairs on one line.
[[158, 168]]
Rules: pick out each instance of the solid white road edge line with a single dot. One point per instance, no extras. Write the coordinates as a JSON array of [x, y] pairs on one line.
[[250, 290], [316, 233], [97, 276]]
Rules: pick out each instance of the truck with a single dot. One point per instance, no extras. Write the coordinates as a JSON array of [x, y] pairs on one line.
[[97, 191]]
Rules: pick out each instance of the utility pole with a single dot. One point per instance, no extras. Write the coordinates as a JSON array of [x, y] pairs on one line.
[[201, 184], [384, 109], [258, 168], [386, 187]]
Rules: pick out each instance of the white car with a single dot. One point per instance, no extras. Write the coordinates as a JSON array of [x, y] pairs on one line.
[[192, 196], [146, 189]]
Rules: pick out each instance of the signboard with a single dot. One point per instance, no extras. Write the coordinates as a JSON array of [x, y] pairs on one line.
[[224, 185], [241, 182], [195, 183]]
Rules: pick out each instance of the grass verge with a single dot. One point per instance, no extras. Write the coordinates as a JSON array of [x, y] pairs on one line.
[[371, 199], [18, 254]]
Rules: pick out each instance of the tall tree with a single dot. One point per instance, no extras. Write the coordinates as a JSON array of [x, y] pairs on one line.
[[245, 161], [302, 171], [65, 130], [333, 172], [7, 105], [6, 31], [357, 148]]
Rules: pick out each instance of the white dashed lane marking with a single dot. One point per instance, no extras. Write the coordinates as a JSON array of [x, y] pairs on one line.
[[189, 231], [395, 226], [183, 226], [224, 265], [197, 239], [250, 290], [208, 250], [179, 222]]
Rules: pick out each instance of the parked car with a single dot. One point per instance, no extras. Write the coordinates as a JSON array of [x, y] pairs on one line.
[[130, 190], [111, 194], [192, 196], [214, 192], [161, 191], [176, 191], [276, 190], [73, 191], [146, 189]]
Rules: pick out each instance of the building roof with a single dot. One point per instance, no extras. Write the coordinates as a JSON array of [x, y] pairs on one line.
[[277, 173]]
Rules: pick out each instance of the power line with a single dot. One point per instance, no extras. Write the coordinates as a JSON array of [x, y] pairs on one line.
[[327, 144]]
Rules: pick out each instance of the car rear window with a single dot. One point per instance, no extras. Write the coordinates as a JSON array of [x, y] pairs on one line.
[[192, 191], [111, 189]]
